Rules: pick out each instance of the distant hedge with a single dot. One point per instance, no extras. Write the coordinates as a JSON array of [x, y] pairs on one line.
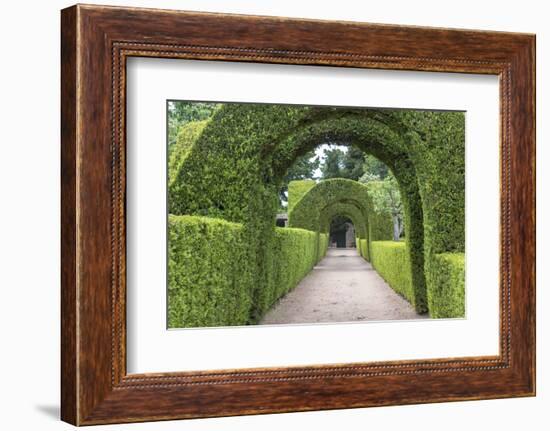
[[363, 248], [446, 299], [350, 210], [297, 189], [186, 138], [294, 254], [399, 263], [211, 280], [391, 260], [317, 207]]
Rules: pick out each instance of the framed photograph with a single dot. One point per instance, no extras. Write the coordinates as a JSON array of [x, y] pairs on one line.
[[265, 214]]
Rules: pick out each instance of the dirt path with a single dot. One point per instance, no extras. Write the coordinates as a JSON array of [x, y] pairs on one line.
[[343, 287]]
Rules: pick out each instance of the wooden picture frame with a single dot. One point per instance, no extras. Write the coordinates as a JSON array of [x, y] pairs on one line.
[[95, 43]]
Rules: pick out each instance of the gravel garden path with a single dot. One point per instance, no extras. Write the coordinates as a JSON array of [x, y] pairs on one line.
[[343, 287]]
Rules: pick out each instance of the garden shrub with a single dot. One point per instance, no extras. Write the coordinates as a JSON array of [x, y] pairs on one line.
[[329, 198], [323, 246], [446, 297], [351, 210], [364, 249], [391, 260], [177, 153], [295, 252], [210, 282], [297, 189]]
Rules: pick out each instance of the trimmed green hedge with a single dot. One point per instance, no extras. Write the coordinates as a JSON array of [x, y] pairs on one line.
[[364, 249], [294, 254], [210, 281], [446, 298], [186, 138], [297, 189], [343, 209], [316, 208], [323, 246], [391, 260]]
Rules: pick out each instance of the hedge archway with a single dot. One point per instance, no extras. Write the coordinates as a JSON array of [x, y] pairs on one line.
[[345, 209]]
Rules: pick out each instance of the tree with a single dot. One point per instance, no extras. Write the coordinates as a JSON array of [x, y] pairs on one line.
[[343, 164], [181, 113], [386, 197], [303, 168], [332, 163], [353, 162], [372, 165]]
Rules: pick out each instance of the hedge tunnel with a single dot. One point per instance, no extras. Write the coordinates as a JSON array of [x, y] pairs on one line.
[[231, 167], [346, 209], [315, 209]]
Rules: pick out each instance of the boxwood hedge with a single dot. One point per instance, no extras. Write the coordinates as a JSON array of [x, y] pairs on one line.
[[295, 252], [363, 248], [315, 209], [446, 299], [211, 281], [391, 260], [297, 189]]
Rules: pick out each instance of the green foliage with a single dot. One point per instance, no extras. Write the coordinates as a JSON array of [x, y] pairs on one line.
[[386, 198], [294, 253], [446, 298], [334, 197], [391, 260], [363, 249], [342, 164], [209, 278], [303, 168], [373, 168], [180, 113], [178, 152], [323, 246], [339, 223], [297, 189]]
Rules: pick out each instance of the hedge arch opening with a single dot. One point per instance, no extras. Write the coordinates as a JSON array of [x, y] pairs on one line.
[[233, 166], [341, 232]]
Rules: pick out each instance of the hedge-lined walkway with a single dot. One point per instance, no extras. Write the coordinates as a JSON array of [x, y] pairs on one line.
[[343, 287]]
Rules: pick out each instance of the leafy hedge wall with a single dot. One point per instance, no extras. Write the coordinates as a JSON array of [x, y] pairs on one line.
[[363, 248], [233, 169], [316, 208], [211, 280], [294, 253], [446, 298], [323, 246], [347, 209], [178, 152], [391, 260], [297, 189]]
